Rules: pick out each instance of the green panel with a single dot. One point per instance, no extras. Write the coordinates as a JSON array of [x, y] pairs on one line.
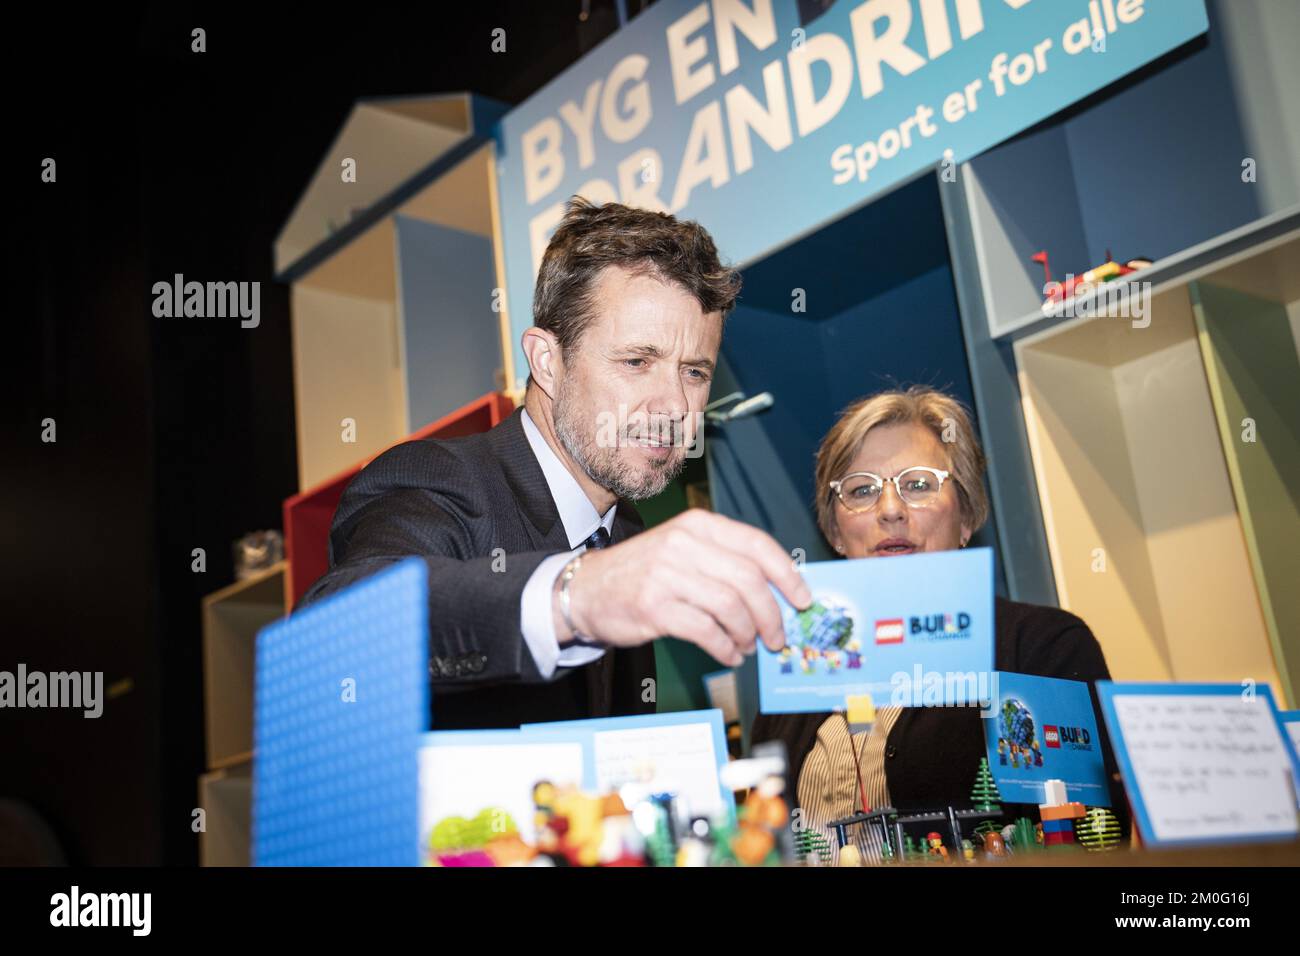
[[681, 668], [1254, 373], [680, 665]]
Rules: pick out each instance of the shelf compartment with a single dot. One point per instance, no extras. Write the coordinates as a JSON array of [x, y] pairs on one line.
[[226, 797], [1125, 172], [395, 320], [1248, 320], [231, 619], [1130, 471]]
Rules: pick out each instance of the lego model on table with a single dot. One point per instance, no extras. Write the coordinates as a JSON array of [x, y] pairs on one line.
[[886, 838], [578, 829], [884, 835], [1058, 814]]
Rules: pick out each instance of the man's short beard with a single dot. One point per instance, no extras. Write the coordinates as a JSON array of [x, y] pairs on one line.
[[604, 465]]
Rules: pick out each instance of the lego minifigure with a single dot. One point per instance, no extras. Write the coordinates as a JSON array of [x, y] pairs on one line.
[[854, 652], [935, 842]]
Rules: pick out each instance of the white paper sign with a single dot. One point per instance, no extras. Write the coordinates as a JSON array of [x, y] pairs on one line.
[[677, 759], [1208, 766]]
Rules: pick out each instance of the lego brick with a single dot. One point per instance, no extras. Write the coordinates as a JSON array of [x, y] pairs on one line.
[[342, 697], [1064, 811]]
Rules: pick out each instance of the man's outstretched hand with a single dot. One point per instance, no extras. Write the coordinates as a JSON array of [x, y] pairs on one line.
[[700, 577]]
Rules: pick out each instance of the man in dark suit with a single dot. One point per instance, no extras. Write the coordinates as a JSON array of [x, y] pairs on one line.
[[544, 597]]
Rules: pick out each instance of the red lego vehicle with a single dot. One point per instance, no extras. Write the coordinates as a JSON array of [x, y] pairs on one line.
[[1106, 272]]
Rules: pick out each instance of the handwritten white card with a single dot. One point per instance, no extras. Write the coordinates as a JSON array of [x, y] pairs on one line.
[[1207, 767], [641, 755], [677, 759]]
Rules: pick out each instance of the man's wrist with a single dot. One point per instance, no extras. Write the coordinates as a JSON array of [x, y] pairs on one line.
[[561, 604]]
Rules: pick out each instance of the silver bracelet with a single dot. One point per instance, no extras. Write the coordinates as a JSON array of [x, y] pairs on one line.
[[566, 577]]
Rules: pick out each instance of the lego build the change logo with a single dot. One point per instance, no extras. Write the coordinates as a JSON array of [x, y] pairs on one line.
[[1018, 739], [825, 632], [941, 626]]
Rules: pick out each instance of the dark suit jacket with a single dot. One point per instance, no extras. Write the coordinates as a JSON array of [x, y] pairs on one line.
[[478, 510], [933, 753]]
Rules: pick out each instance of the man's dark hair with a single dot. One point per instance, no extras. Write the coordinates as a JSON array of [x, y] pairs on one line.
[[591, 237]]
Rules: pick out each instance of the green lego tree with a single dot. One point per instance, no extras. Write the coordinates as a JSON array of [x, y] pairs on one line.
[[984, 796]]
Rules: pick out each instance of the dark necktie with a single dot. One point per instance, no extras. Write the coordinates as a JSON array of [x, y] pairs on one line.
[[599, 538]]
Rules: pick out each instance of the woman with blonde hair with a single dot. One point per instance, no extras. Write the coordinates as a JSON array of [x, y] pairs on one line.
[[901, 472]]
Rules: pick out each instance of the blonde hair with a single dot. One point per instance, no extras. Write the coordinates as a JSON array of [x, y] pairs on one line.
[[944, 415]]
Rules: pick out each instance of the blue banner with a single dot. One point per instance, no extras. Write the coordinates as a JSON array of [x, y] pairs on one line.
[[766, 119]]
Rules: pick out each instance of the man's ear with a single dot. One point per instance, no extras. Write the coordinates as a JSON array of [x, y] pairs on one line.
[[542, 350]]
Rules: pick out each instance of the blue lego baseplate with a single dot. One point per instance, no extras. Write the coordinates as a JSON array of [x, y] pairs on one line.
[[341, 699]]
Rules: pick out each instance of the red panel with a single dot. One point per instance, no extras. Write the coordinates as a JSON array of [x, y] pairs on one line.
[[307, 515]]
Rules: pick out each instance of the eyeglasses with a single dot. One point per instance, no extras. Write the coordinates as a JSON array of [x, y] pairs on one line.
[[917, 486]]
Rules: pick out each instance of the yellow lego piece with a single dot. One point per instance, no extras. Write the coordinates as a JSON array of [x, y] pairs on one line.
[[861, 709], [1104, 271]]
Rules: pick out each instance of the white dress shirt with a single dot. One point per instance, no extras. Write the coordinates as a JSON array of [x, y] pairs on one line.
[[580, 520]]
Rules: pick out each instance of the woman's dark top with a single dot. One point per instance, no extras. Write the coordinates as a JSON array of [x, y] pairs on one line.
[[932, 753]]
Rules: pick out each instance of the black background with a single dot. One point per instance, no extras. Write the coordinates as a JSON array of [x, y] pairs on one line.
[[173, 434]]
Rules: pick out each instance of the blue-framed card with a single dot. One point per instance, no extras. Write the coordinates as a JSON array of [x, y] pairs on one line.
[[1202, 763], [912, 630], [1291, 724], [1044, 728], [681, 753]]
